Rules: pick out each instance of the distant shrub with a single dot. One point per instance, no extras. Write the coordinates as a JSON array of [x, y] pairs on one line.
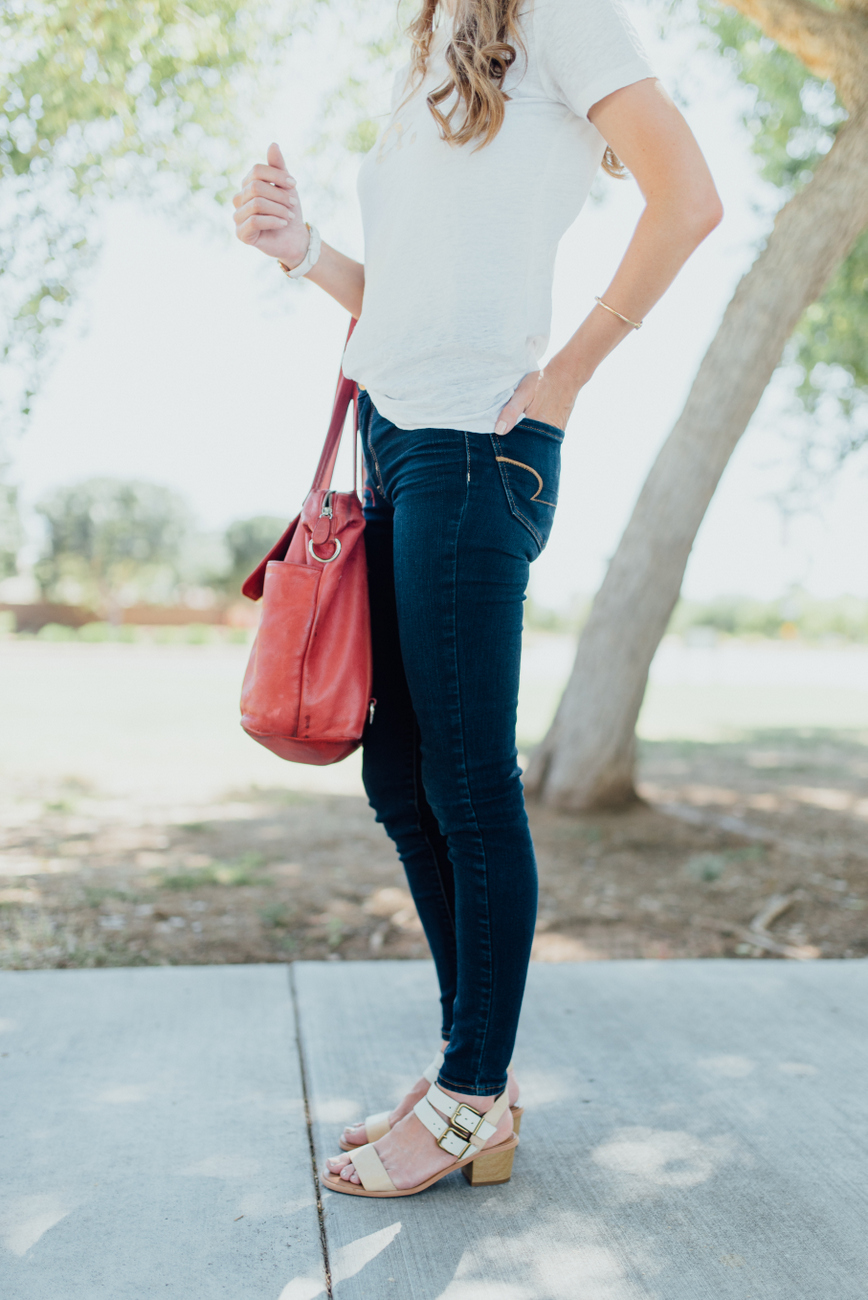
[[795, 615], [199, 634], [56, 632], [95, 632]]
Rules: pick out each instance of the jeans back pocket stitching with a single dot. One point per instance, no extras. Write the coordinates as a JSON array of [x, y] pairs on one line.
[[521, 465], [504, 478]]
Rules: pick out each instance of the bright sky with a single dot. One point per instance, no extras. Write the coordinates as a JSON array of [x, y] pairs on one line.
[[194, 363]]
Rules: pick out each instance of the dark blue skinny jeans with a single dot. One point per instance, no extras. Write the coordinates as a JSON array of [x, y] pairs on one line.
[[453, 521]]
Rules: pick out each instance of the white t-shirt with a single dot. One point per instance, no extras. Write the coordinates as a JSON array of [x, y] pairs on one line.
[[460, 244]]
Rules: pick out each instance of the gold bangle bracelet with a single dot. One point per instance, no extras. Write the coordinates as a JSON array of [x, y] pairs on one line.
[[636, 325]]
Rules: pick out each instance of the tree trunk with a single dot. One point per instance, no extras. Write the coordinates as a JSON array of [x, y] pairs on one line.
[[587, 758]]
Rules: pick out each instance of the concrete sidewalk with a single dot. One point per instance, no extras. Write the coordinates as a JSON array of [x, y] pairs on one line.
[[693, 1130]]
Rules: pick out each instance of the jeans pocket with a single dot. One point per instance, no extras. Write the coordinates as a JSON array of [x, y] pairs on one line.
[[529, 460]]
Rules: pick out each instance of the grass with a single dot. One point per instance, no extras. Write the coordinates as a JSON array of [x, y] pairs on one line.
[[243, 871], [277, 915], [711, 866], [96, 895]]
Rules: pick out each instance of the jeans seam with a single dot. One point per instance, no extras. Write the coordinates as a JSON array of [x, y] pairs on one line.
[[380, 485], [486, 1017], [437, 871]]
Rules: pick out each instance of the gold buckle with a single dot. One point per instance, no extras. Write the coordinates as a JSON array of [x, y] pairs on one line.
[[461, 1135], [466, 1128]]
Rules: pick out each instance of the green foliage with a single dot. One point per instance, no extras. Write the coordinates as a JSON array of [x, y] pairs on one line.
[[706, 867], [11, 532], [56, 632], [831, 343], [793, 121], [248, 541], [107, 535], [244, 871], [277, 915], [97, 98], [794, 116], [795, 615]]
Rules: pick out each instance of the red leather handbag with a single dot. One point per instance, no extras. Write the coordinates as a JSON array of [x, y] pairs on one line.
[[307, 690]]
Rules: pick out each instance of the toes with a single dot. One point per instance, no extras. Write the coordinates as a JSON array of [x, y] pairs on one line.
[[337, 1163], [348, 1171]]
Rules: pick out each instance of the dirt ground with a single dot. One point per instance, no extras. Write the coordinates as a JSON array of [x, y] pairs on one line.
[[755, 848]]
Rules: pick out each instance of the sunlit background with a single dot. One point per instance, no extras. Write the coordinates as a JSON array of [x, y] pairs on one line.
[[188, 361]]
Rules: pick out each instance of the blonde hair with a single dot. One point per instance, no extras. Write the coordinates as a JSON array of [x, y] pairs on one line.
[[483, 48]]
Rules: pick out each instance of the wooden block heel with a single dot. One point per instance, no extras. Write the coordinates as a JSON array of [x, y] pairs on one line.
[[489, 1168], [458, 1129]]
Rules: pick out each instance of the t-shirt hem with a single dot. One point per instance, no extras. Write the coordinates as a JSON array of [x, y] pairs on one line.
[[614, 79], [396, 413]]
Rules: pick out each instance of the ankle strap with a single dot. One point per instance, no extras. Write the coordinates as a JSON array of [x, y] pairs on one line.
[[466, 1128], [433, 1069]]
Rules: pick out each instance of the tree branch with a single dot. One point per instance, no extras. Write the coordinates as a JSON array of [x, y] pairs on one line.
[[856, 6], [833, 44]]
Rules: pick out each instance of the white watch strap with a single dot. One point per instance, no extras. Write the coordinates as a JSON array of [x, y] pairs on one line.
[[313, 251]]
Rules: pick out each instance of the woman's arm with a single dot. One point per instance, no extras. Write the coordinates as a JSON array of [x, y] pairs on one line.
[[268, 216], [652, 139]]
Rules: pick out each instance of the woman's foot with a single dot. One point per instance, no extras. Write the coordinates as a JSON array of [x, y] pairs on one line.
[[410, 1153], [354, 1135]]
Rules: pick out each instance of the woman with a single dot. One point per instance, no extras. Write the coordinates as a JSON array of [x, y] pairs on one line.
[[497, 128]]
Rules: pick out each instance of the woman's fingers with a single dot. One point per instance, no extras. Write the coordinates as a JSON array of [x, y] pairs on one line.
[[517, 404], [275, 158], [262, 208], [273, 175], [262, 190], [250, 230], [274, 193]]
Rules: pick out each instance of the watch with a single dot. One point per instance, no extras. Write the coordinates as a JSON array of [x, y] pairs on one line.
[[310, 257]]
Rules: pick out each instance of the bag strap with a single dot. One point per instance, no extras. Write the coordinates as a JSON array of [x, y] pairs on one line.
[[346, 391], [255, 584]]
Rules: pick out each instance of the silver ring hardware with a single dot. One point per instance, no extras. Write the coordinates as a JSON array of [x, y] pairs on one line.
[[333, 556]]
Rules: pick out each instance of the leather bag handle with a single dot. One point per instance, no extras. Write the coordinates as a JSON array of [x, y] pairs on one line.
[[346, 391]]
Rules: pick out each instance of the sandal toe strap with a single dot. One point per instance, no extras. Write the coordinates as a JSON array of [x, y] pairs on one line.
[[377, 1126], [371, 1170]]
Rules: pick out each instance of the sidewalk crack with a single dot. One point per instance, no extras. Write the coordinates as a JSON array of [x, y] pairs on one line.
[[323, 1239]]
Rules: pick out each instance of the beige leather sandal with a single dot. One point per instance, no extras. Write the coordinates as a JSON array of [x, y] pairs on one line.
[[377, 1126], [462, 1134]]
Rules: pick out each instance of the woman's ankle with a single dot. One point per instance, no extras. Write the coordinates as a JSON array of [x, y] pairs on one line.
[[482, 1104]]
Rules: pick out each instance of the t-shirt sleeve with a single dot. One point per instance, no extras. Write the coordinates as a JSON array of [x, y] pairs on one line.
[[587, 49]]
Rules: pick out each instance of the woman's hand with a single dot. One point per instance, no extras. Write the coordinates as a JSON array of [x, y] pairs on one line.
[[548, 395], [268, 211]]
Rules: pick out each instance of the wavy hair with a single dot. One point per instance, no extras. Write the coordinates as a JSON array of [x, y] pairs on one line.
[[485, 43]]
